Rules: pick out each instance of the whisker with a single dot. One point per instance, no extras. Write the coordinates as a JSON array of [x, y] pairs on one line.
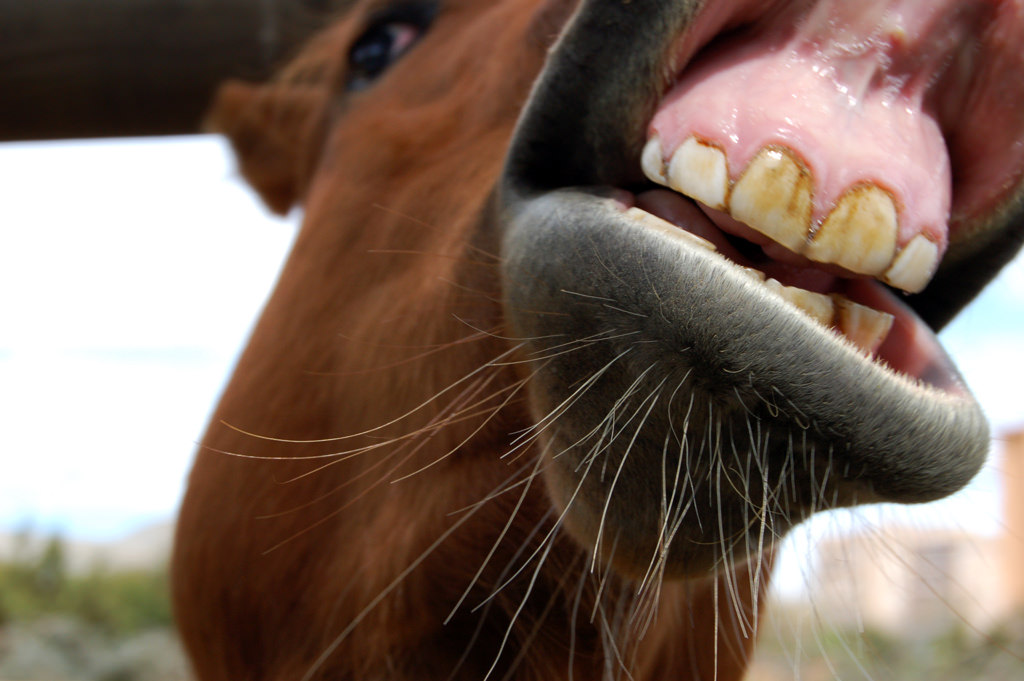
[[522, 604], [653, 399], [498, 540], [490, 416], [562, 407], [397, 419]]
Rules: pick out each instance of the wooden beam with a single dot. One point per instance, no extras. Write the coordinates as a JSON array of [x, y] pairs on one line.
[[102, 68]]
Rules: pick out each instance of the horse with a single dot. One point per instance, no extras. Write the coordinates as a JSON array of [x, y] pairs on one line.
[[591, 303]]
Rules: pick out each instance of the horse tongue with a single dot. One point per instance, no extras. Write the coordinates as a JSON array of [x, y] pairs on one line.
[[817, 138]]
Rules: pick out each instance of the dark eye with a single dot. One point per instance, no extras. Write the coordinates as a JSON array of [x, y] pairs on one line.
[[388, 36]]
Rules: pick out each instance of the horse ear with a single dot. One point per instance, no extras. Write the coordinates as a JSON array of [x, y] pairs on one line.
[[276, 131]]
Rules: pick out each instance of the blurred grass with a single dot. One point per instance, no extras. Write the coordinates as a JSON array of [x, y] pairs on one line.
[[116, 625], [97, 624], [34, 584], [796, 643]]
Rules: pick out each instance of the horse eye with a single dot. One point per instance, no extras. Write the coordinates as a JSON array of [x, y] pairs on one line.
[[378, 48], [389, 35]]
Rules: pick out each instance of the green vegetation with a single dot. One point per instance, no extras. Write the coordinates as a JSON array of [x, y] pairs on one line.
[[107, 625], [794, 644], [34, 584]]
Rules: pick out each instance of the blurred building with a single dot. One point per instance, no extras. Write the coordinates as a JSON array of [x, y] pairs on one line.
[[912, 579], [1012, 548], [921, 580]]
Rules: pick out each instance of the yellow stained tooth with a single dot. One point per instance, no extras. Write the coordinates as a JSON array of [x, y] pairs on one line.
[[816, 305], [701, 172], [866, 328], [774, 197], [914, 266], [860, 232], [652, 162], [654, 222]]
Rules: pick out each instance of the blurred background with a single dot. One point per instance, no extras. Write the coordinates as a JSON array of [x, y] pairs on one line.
[[130, 272]]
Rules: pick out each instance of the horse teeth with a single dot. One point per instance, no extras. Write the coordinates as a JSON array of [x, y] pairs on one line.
[[774, 197], [653, 162], [816, 305], [654, 222], [865, 327], [700, 171], [914, 266], [860, 232]]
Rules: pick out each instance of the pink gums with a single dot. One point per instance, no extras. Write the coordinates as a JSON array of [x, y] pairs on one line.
[[852, 89]]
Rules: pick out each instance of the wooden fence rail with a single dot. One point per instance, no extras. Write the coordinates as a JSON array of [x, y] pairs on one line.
[[100, 68]]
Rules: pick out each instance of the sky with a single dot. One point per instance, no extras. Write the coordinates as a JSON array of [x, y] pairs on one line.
[[130, 274]]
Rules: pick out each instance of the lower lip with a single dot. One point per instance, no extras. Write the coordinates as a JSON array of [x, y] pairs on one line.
[[910, 348]]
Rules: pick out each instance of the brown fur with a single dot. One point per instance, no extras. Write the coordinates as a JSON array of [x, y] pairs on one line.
[[369, 415]]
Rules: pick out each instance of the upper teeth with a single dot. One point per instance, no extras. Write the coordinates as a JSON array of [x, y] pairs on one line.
[[913, 268], [775, 192], [774, 196], [701, 171], [860, 232]]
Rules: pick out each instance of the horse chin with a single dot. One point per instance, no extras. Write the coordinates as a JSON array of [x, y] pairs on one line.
[[687, 414]]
